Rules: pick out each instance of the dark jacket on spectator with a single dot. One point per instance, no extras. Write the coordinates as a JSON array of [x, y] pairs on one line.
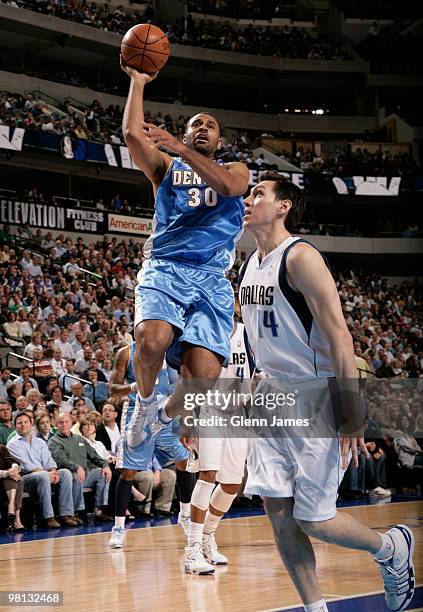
[[71, 451]]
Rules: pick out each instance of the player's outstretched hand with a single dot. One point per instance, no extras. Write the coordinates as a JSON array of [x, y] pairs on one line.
[[132, 73], [352, 444], [162, 138]]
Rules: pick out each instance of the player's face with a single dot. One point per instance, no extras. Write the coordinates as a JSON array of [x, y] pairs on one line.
[[261, 207], [202, 134]]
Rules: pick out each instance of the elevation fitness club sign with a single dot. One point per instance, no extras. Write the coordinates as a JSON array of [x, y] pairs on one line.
[[52, 217]]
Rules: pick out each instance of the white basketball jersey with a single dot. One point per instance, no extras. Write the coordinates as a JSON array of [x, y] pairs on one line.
[[285, 339], [239, 366]]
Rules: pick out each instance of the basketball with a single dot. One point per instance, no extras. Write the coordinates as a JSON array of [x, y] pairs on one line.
[[145, 48]]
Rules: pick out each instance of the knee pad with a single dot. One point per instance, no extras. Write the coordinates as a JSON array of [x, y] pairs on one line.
[[201, 495], [220, 500]]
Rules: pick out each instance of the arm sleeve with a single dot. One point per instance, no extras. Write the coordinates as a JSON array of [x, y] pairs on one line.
[[47, 458]]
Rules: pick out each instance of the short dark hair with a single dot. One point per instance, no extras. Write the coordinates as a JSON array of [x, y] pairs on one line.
[[27, 413], [286, 190]]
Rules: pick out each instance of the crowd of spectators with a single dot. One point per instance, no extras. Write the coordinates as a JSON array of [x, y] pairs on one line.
[[103, 124], [246, 9], [67, 323], [92, 122], [275, 42]]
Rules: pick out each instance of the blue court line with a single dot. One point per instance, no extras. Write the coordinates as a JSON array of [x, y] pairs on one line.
[[45, 534], [365, 603]]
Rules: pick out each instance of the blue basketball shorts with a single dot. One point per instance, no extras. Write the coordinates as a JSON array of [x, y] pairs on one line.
[[166, 445], [169, 448], [198, 302]]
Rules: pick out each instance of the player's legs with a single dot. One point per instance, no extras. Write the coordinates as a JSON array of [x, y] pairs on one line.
[[343, 530], [152, 339], [294, 548], [232, 459]]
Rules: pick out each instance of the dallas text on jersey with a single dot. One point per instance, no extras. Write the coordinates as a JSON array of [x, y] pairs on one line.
[[256, 294]]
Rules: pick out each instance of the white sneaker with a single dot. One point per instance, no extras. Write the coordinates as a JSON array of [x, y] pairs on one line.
[[398, 572], [195, 562], [184, 522], [210, 551], [193, 462], [143, 415], [117, 538], [381, 491]]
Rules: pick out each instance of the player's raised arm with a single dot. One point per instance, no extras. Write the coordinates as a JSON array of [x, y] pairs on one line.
[[201, 140], [144, 151], [118, 387]]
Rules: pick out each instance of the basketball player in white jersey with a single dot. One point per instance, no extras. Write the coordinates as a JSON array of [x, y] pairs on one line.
[[221, 459], [294, 322]]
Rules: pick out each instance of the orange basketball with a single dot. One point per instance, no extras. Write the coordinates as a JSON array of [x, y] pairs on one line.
[[145, 48]]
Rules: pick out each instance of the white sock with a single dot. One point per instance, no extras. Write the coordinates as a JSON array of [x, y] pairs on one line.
[[148, 399], [210, 524], [119, 521], [318, 606], [195, 533], [387, 549], [185, 508], [163, 416]]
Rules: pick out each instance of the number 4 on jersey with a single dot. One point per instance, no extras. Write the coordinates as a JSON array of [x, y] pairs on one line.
[[268, 322]]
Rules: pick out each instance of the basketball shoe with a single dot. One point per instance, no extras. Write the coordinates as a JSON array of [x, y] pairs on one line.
[[398, 572], [210, 551], [144, 414], [117, 538], [184, 522], [195, 562]]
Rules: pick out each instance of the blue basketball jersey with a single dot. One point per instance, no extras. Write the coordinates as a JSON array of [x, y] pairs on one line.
[[193, 223]]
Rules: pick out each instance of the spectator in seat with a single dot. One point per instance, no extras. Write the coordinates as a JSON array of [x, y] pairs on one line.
[[25, 375], [79, 411], [154, 481], [21, 405], [12, 327], [6, 423], [385, 369], [65, 382], [11, 479], [94, 366], [33, 396], [58, 363], [35, 343], [42, 368], [62, 343], [107, 368], [83, 362], [57, 398], [43, 425], [89, 470], [97, 391], [108, 430], [77, 392], [5, 382], [39, 473]]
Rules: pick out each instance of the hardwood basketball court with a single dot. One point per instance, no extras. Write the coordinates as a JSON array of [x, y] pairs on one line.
[[149, 574]]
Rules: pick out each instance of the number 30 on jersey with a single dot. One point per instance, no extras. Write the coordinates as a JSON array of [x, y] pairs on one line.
[[202, 196]]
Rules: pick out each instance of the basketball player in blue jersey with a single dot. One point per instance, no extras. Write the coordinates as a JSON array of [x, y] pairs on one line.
[[184, 303], [294, 321], [165, 445]]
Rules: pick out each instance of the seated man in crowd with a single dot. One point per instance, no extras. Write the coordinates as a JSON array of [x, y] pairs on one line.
[[97, 391], [77, 392], [89, 470], [39, 473], [6, 424], [158, 483], [25, 376], [5, 382]]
